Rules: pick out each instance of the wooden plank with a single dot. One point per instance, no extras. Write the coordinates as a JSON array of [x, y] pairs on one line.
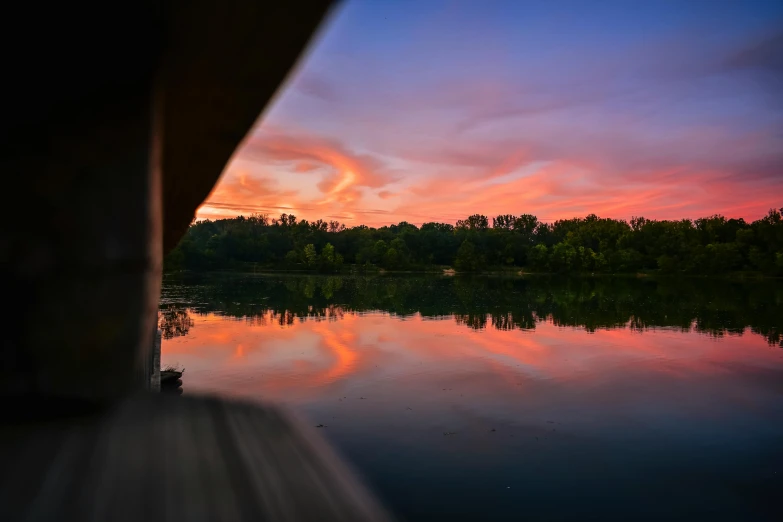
[[162, 457]]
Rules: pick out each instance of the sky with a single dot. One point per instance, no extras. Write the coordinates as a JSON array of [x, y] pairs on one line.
[[425, 111]]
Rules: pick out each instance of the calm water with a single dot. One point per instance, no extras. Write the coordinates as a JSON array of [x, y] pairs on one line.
[[511, 399]]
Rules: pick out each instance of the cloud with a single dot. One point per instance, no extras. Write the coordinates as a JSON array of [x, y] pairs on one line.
[[346, 169], [304, 166], [241, 193], [683, 83], [561, 190], [316, 86]]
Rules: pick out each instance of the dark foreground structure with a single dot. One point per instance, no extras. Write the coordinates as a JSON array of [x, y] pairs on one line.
[[165, 457], [117, 123]]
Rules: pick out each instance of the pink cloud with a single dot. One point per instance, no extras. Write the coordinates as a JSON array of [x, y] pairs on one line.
[[347, 168], [240, 193], [563, 190], [304, 166], [343, 174]]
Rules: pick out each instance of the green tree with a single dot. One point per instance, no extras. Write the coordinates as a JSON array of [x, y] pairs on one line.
[[330, 260], [564, 257], [477, 222], [709, 245], [402, 253], [468, 258], [310, 256], [379, 251], [291, 258], [391, 259], [504, 222], [539, 257]]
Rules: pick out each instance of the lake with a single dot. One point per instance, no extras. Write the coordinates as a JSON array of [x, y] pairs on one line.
[[496, 398]]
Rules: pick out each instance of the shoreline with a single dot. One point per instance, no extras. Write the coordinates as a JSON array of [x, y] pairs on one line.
[[511, 272]]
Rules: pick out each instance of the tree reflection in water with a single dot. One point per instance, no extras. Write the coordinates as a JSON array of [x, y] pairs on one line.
[[714, 307]]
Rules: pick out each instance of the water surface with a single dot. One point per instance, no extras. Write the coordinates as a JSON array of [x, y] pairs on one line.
[[510, 399]]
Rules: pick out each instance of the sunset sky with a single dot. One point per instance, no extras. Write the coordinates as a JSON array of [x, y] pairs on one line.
[[430, 111]]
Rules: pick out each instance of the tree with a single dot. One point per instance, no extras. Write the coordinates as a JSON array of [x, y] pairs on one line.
[[286, 220], [310, 256], [475, 222], [391, 259], [174, 261], [401, 252], [379, 251], [330, 260], [504, 222], [539, 257], [291, 258], [468, 259], [320, 225], [526, 224], [564, 258], [708, 245]]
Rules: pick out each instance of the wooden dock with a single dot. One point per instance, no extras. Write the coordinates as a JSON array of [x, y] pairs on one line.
[[159, 457]]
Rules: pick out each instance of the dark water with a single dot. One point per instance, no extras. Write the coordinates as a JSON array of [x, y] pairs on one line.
[[511, 399]]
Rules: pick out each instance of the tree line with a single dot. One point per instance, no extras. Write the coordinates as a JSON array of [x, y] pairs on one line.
[[710, 245]]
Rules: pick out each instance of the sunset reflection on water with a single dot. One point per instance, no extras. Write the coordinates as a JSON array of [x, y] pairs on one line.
[[260, 358], [444, 414]]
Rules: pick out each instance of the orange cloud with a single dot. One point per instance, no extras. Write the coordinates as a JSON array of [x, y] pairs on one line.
[[564, 189], [304, 166], [341, 178], [348, 169], [240, 193]]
